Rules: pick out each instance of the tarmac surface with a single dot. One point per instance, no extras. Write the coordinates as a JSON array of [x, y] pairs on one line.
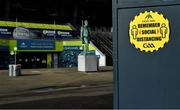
[[63, 88]]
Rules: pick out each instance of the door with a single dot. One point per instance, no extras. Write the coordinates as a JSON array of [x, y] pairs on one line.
[[32, 60]]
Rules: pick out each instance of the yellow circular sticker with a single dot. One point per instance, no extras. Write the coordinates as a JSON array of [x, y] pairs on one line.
[[149, 31]]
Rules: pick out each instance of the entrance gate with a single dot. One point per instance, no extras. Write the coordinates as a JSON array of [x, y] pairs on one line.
[[32, 60]]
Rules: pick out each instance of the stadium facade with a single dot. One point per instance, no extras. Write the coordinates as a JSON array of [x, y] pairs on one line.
[[41, 45]]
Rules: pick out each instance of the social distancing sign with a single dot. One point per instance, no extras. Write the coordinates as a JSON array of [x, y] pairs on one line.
[[149, 31]]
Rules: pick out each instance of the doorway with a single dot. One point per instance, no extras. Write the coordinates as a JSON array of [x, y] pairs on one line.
[[32, 60]]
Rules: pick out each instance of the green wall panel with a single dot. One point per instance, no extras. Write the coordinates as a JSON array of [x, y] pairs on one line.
[[59, 45]]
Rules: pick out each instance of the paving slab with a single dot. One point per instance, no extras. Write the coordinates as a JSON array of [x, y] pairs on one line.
[[39, 79]]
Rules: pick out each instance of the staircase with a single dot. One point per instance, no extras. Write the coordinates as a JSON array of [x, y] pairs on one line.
[[103, 41]]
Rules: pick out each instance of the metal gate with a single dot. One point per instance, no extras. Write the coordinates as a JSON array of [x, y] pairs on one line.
[[146, 77]]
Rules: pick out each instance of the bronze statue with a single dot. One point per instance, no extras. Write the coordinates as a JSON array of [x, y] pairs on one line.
[[85, 36]]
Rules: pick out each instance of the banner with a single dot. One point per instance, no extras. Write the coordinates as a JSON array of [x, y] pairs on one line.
[[34, 33], [4, 45], [35, 45], [4, 48], [6, 33], [73, 48]]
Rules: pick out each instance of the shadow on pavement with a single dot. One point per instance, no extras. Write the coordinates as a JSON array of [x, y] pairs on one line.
[[30, 74], [105, 70], [76, 102]]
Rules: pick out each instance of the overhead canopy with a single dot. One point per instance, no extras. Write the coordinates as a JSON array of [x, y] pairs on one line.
[[35, 25]]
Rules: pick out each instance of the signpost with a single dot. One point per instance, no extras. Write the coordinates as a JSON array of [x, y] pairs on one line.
[[15, 52], [36, 44], [14, 69]]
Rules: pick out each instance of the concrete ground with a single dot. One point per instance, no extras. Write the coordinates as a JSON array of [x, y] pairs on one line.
[[57, 88]]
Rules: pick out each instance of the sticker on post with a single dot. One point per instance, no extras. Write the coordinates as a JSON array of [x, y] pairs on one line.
[[149, 31]]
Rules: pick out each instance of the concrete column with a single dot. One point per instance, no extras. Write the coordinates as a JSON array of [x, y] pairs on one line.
[[49, 60]]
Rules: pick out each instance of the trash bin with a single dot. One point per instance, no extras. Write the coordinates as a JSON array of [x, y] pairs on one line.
[[14, 70], [17, 70], [10, 70]]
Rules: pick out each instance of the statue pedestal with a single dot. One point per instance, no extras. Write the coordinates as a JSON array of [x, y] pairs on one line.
[[87, 63]]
